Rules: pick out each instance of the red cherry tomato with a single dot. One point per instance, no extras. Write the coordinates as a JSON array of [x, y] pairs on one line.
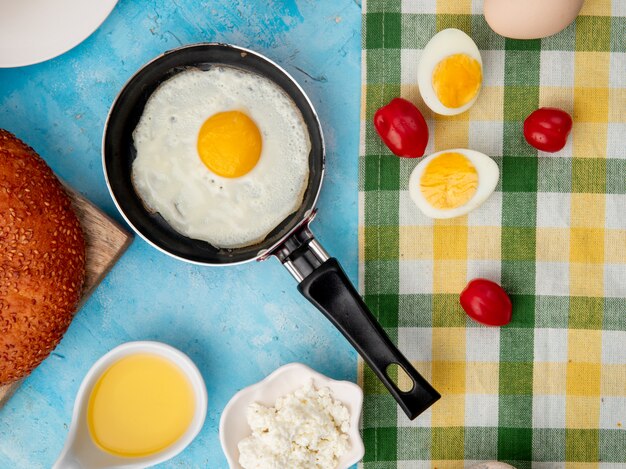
[[547, 129], [486, 302], [402, 127]]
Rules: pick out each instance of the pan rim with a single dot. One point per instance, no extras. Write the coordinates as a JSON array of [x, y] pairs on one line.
[[262, 254]]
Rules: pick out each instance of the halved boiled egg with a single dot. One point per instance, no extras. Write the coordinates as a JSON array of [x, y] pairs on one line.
[[450, 72], [452, 183]]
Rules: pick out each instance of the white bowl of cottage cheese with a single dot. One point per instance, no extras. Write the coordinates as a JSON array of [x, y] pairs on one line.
[[296, 418]]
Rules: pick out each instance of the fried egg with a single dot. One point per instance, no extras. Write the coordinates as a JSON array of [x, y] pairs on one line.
[[222, 155], [452, 183], [449, 74]]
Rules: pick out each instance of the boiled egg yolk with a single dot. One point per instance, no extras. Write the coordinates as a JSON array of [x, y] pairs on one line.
[[229, 144], [449, 181], [456, 80]]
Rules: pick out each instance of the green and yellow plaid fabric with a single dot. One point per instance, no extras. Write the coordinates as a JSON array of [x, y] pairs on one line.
[[548, 390]]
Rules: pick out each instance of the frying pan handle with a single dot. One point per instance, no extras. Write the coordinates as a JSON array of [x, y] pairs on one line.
[[324, 283]]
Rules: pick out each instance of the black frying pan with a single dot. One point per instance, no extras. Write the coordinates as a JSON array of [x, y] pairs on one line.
[[320, 278]]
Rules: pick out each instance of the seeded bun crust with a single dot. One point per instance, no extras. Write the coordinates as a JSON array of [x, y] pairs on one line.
[[42, 259]]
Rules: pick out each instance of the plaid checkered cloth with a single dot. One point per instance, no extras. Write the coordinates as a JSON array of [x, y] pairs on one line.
[[549, 389]]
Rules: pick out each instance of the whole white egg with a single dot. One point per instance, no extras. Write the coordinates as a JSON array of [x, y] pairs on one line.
[[492, 465], [452, 183], [449, 74], [531, 19]]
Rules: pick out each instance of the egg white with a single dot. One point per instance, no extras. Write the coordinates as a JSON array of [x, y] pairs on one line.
[[488, 176], [171, 179], [444, 44]]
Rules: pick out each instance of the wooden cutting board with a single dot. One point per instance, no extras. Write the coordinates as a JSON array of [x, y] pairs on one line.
[[105, 242]]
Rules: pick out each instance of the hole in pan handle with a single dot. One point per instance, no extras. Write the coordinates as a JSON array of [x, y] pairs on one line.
[[324, 283]]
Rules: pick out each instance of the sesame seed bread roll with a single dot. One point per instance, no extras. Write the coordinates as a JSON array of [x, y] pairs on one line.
[[42, 259]]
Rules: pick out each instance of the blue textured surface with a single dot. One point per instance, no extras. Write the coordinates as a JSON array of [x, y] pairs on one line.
[[237, 323]]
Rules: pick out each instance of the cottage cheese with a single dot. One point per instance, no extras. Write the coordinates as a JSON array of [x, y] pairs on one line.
[[306, 429]]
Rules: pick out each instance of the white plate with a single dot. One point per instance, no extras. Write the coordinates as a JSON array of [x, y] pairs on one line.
[[286, 379], [32, 31]]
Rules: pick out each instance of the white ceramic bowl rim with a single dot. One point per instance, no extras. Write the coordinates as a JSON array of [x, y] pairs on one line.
[[28, 36], [280, 382]]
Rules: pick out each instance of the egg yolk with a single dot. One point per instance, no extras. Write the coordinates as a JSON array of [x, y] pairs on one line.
[[449, 181], [456, 80], [229, 144]]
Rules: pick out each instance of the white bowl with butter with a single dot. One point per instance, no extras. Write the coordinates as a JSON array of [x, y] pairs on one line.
[[282, 383], [140, 404]]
